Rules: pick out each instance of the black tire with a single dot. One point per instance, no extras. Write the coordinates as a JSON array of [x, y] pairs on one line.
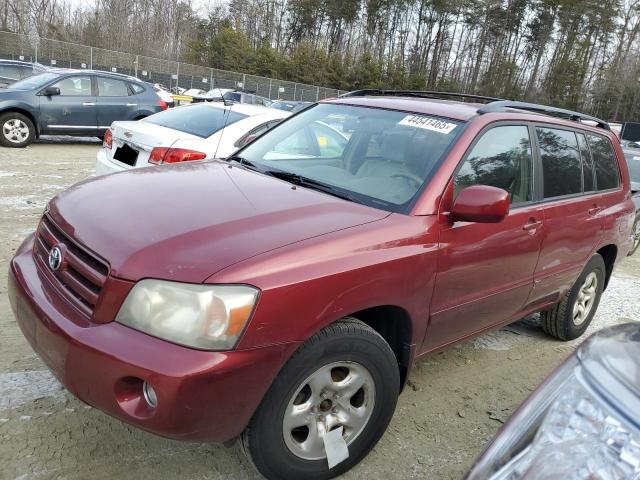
[[636, 235], [348, 340], [20, 120], [559, 321]]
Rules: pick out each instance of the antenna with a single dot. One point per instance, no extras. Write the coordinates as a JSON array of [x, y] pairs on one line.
[[224, 125]]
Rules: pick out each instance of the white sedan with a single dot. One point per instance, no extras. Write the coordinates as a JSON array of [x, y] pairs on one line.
[[193, 132]]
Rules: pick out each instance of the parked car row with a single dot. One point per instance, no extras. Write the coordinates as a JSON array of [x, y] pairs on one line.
[[86, 103], [304, 274]]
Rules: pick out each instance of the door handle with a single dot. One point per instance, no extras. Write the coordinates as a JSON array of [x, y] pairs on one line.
[[132, 104], [595, 210], [88, 104], [532, 225]]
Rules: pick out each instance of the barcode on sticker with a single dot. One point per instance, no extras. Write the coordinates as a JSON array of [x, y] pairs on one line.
[[428, 123]]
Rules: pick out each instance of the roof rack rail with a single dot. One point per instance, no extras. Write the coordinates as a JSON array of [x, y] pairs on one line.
[[500, 106], [417, 94]]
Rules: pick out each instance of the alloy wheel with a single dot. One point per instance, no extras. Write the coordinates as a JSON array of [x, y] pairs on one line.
[[585, 300], [340, 394], [15, 130]]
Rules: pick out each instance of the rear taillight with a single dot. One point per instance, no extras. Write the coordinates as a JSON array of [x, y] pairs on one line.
[[107, 140], [162, 103], [174, 155]]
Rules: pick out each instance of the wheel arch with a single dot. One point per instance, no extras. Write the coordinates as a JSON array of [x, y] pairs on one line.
[[24, 112], [394, 324], [609, 254]]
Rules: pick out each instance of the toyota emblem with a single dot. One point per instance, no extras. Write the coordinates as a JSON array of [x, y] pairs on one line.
[[55, 258]]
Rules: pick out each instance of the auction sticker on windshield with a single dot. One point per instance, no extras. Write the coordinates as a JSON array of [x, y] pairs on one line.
[[428, 123]]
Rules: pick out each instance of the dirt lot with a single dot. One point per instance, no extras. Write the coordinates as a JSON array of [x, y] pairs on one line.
[[454, 403]]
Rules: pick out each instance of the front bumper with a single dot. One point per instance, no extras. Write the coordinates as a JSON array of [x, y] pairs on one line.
[[205, 396], [105, 166]]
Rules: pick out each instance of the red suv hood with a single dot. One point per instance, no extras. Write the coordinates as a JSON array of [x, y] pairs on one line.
[[189, 221]]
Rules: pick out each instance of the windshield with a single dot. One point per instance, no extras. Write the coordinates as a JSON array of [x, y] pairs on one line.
[[36, 81], [200, 120], [380, 158]]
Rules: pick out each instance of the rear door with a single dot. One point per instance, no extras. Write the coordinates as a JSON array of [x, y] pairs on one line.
[[485, 270], [74, 110], [572, 210], [115, 101]]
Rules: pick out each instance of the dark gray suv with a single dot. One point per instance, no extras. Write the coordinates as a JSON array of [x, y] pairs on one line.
[[71, 102]]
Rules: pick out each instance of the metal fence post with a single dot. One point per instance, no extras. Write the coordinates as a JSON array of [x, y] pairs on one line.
[[90, 58], [317, 93], [295, 89], [270, 81]]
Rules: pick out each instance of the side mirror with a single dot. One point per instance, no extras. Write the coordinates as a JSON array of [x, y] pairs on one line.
[[480, 204], [49, 91]]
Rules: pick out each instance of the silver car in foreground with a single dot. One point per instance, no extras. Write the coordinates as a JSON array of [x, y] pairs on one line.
[[583, 422]]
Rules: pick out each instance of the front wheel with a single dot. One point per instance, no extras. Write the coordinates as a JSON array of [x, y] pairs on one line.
[[571, 317], [345, 376], [16, 130]]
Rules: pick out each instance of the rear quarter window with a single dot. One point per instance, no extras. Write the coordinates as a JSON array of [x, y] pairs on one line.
[[200, 120], [136, 88], [606, 165]]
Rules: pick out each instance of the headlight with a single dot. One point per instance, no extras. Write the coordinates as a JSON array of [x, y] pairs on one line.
[[208, 317], [582, 423]]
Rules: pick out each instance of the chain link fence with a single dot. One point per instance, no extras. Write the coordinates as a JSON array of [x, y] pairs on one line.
[[168, 73]]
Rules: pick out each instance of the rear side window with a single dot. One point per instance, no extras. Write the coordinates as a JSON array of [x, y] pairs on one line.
[[200, 120], [607, 175], [136, 88], [588, 178], [501, 158], [109, 87], [561, 162]]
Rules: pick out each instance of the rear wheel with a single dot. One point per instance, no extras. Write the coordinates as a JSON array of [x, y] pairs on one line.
[[16, 130], [571, 317], [346, 376]]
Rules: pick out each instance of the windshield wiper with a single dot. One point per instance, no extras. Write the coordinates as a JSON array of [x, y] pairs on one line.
[[244, 162], [307, 182]]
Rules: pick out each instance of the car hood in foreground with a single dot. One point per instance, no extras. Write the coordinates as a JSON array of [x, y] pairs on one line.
[[187, 222]]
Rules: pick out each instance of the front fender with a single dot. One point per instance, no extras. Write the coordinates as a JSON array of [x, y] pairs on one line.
[[311, 284], [22, 107]]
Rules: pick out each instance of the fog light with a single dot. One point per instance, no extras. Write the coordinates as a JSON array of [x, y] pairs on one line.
[[149, 394]]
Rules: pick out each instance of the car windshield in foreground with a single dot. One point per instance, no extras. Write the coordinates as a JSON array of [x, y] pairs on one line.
[[36, 81], [376, 157], [199, 120]]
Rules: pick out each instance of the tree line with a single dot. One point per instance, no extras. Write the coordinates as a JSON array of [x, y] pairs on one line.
[[579, 54]]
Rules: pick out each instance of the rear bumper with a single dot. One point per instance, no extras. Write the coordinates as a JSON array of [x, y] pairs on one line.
[[205, 396], [105, 166]]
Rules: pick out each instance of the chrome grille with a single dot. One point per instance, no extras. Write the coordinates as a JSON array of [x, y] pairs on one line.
[[80, 276]]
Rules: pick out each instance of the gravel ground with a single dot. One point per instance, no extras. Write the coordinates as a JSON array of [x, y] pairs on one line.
[[454, 403]]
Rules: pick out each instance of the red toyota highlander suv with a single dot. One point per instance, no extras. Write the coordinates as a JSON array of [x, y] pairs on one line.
[[282, 296]]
